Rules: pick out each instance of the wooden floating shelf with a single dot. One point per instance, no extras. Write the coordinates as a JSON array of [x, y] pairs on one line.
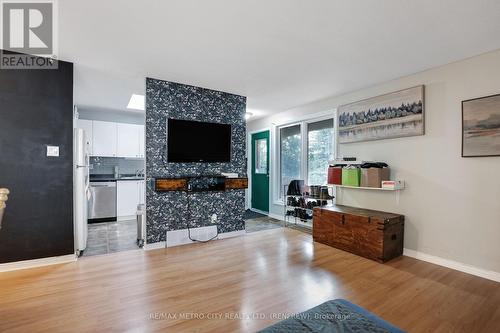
[[333, 162], [182, 184], [367, 188], [236, 183]]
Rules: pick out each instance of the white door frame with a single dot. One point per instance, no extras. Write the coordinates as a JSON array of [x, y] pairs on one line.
[[303, 121], [249, 169]]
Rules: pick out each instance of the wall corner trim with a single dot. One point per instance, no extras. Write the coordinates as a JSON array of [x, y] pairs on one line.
[[458, 266], [25, 264]]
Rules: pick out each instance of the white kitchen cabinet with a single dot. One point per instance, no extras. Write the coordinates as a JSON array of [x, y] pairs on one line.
[[127, 197], [128, 141], [142, 191], [104, 138], [86, 126], [129, 194], [109, 139], [142, 141]]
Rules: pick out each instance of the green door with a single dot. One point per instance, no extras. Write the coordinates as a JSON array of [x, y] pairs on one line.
[[260, 171]]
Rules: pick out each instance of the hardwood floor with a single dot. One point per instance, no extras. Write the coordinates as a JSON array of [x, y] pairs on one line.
[[270, 272]]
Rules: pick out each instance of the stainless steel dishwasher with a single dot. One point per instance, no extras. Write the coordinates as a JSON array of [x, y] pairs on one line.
[[102, 204]]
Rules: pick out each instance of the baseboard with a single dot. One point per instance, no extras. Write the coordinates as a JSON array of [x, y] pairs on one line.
[[25, 264], [259, 211], [180, 237], [126, 218], [276, 216], [484, 273], [154, 246], [231, 234], [490, 275]]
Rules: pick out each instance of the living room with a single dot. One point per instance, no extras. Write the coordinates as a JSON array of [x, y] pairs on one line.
[[267, 167]]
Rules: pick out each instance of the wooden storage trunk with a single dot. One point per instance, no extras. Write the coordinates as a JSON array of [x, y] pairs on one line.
[[368, 233]]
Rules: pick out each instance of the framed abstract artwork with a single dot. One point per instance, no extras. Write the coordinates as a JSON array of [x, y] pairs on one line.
[[393, 115], [481, 127]]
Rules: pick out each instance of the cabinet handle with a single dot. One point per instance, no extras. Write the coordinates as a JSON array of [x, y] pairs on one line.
[[343, 219]]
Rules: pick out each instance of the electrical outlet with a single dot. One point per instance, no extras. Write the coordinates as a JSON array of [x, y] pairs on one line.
[[52, 151], [213, 219]]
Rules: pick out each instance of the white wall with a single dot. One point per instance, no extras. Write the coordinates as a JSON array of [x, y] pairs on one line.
[[112, 115], [451, 204]]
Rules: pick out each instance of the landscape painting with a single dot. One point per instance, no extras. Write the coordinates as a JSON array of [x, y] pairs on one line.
[[394, 115], [481, 127]]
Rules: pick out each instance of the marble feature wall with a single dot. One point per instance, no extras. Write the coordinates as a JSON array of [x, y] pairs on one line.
[[168, 210]]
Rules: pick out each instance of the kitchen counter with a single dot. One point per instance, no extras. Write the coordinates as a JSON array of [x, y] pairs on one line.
[[112, 178]]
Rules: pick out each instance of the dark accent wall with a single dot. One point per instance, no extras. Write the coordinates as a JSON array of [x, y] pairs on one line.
[[167, 210], [36, 110]]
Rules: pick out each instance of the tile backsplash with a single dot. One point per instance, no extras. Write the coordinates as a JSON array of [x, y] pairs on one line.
[[106, 165]]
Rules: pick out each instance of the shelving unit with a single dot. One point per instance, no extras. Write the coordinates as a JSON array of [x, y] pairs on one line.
[[333, 162], [308, 222], [366, 188], [339, 194]]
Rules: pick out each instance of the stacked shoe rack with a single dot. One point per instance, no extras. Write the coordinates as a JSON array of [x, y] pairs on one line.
[[298, 209]]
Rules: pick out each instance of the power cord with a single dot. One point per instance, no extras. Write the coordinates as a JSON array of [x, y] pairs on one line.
[[188, 192], [188, 213]]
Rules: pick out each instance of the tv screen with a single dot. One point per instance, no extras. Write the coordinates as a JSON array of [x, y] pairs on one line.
[[194, 141]]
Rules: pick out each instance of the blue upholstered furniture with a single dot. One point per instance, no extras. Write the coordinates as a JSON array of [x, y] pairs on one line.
[[337, 316]]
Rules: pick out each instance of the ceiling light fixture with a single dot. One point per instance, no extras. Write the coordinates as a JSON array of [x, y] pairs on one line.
[[248, 115], [136, 102]]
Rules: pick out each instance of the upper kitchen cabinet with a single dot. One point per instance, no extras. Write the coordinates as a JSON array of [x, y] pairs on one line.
[[110, 139], [86, 126], [105, 137], [128, 140]]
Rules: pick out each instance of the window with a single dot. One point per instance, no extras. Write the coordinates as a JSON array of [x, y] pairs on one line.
[[319, 150], [290, 154], [304, 152], [261, 156]]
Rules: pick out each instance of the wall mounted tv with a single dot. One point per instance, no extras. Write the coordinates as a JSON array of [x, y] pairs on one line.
[[198, 142]]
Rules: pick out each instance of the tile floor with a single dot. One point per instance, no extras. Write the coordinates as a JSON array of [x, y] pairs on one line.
[[262, 223], [109, 237], [266, 223]]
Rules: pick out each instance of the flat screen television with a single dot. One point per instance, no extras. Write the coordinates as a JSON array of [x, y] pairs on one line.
[[198, 142]]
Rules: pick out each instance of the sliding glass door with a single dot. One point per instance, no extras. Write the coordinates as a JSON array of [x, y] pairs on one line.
[[305, 149], [319, 150], [290, 154]]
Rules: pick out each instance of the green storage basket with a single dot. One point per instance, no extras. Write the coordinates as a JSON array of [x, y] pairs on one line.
[[351, 177]]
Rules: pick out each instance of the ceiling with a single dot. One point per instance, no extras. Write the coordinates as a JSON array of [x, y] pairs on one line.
[[278, 53]]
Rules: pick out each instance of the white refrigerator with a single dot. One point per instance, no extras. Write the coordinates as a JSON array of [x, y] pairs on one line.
[[81, 188]]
